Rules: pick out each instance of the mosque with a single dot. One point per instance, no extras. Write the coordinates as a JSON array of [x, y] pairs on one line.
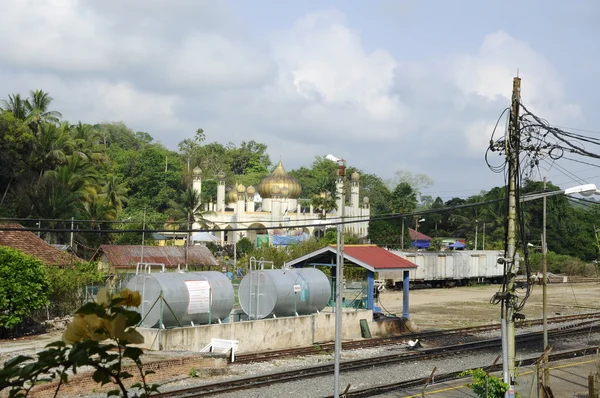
[[273, 212]]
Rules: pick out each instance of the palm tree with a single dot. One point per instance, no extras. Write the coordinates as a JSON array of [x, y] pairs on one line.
[[76, 173], [187, 210], [52, 145], [17, 106], [37, 105], [87, 142], [115, 193]]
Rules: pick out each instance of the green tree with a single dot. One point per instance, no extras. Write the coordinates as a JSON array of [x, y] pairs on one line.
[[143, 173], [16, 105], [15, 150], [23, 286], [37, 106]]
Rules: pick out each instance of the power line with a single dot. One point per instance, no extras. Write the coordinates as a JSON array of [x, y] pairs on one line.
[[324, 223]]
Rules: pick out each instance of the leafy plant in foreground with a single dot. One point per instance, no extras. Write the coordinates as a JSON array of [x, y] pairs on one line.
[[486, 385], [100, 337]]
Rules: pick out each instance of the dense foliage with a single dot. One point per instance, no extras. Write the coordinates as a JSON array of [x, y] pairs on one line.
[[101, 337], [23, 286], [67, 287], [54, 170], [486, 385]]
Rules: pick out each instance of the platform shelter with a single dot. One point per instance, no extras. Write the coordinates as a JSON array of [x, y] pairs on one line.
[[371, 257]]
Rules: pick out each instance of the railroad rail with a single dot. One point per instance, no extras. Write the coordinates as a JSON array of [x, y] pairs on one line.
[[382, 389], [350, 365], [392, 340]]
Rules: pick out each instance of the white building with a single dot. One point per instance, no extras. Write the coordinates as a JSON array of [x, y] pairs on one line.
[[274, 207]]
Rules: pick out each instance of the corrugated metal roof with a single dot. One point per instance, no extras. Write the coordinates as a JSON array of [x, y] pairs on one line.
[[371, 257], [170, 256], [31, 244]]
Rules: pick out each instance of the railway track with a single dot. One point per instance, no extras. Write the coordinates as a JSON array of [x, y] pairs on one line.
[[350, 365], [392, 340], [382, 389]]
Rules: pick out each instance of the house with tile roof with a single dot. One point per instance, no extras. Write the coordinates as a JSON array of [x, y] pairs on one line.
[[125, 258], [418, 239], [31, 244]]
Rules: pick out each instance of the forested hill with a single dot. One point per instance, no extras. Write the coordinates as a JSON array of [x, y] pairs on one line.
[[53, 170]]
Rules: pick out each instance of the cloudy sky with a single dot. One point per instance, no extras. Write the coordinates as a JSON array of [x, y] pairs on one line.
[[386, 84]]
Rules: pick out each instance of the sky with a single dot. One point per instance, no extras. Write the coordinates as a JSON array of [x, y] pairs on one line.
[[388, 85]]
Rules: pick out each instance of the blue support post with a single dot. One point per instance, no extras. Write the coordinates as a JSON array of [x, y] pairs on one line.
[[405, 295], [370, 289]]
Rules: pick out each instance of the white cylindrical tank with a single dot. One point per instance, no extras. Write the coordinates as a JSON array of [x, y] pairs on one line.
[[284, 292], [189, 297]]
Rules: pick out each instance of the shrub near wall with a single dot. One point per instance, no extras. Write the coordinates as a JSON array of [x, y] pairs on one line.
[[67, 288], [23, 287]]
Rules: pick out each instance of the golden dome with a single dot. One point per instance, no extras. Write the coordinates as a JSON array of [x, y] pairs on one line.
[[279, 178], [355, 176], [241, 189], [251, 190], [231, 196]]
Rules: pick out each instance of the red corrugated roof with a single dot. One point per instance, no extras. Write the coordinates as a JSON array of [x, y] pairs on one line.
[[371, 257], [416, 235], [29, 243], [375, 257], [170, 256]]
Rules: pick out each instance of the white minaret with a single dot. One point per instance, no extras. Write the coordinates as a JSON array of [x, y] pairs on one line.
[[221, 192], [250, 191], [197, 180], [339, 188]]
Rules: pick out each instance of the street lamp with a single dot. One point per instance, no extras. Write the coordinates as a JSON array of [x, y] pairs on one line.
[[416, 231], [584, 190]]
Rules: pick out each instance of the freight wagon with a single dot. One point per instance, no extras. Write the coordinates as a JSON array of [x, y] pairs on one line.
[[449, 268]]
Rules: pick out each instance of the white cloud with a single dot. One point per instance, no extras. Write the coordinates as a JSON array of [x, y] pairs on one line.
[[311, 89], [54, 34], [323, 61], [490, 71], [212, 60]]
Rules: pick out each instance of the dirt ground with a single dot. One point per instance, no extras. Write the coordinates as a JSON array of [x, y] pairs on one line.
[[470, 306]]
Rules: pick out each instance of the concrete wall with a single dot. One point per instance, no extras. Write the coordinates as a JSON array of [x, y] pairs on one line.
[[267, 334]]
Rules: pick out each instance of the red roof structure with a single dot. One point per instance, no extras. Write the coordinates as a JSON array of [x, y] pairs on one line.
[[371, 257], [31, 244], [127, 256], [416, 235]]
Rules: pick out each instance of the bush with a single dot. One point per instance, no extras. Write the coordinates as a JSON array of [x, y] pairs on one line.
[[486, 385], [23, 286], [101, 337], [67, 286]]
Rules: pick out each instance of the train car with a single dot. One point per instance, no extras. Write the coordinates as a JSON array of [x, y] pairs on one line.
[[449, 268]]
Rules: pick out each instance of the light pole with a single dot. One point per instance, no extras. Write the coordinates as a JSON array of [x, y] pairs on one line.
[[339, 285], [585, 190], [417, 230], [476, 225], [483, 243]]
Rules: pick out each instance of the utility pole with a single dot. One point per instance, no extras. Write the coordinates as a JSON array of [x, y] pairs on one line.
[[144, 237], [509, 299], [476, 226], [339, 285], [72, 227], [545, 291], [402, 236]]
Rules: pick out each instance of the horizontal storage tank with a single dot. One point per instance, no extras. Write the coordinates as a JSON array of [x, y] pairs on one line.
[[284, 292], [189, 297]]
